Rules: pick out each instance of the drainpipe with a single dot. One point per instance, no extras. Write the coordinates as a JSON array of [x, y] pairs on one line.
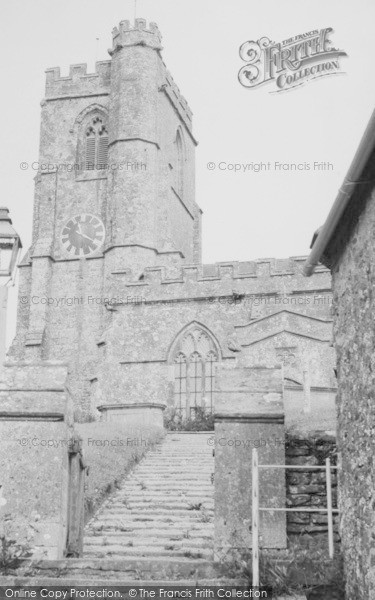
[[352, 179]]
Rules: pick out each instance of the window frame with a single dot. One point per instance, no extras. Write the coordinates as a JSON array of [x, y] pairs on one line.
[[92, 120]]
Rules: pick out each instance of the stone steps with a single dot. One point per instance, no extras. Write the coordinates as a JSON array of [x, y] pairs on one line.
[[191, 504], [158, 525], [131, 569], [139, 515], [163, 504], [167, 474], [81, 580], [65, 582], [159, 534], [138, 529], [169, 488], [136, 572], [163, 494], [145, 520], [164, 509], [118, 551], [148, 538], [162, 512]]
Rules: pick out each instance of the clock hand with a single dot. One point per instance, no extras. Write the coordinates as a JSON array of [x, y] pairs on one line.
[[85, 236]]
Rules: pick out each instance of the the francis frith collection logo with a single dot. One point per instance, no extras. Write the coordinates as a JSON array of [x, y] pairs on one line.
[[290, 63]]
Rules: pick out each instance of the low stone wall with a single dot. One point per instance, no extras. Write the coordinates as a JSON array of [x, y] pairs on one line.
[[307, 488]]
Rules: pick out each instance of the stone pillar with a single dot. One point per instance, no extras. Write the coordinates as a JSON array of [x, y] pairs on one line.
[[248, 413], [35, 432]]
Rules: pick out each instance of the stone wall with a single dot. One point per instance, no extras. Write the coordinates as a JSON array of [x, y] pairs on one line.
[[36, 433], [308, 488], [354, 337]]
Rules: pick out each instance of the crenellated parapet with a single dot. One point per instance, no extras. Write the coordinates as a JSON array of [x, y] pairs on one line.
[[260, 276], [170, 88], [140, 34], [79, 82], [136, 35]]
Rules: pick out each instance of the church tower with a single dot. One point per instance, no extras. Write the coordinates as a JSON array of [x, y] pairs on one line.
[[115, 191]]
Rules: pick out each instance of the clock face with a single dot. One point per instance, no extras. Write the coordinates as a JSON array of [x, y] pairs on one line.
[[83, 235]]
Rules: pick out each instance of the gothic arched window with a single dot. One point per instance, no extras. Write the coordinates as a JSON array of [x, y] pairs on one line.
[[195, 359], [96, 144]]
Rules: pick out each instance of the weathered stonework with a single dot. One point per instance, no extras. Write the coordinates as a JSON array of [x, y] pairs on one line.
[[36, 430], [249, 414], [353, 281], [118, 316], [308, 488]]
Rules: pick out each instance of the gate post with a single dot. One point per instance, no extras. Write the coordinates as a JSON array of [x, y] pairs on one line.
[[36, 424], [76, 500], [249, 413]]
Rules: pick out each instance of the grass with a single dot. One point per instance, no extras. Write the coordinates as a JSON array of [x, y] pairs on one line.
[[298, 570], [111, 451], [196, 506], [12, 554]]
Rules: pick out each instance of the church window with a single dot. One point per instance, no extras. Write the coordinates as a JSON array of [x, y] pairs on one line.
[[195, 359], [96, 144]]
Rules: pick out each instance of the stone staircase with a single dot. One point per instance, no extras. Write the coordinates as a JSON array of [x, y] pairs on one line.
[[164, 508], [157, 530]]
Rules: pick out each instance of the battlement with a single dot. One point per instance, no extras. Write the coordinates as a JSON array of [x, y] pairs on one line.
[[138, 35], [261, 269], [79, 82], [175, 96]]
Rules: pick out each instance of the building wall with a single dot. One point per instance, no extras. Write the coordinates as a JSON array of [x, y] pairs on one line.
[[354, 332], [138, 361]]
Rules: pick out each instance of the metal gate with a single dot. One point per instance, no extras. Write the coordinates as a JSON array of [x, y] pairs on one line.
[[256, 508]]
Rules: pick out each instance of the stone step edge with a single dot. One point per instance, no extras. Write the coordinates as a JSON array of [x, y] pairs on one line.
[[109, 564], [106, 583], [67, 581], [184, 432]]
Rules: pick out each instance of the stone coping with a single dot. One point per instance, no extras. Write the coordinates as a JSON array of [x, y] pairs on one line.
[[210, 432], [127, 406], [28, 416], [252, 418]]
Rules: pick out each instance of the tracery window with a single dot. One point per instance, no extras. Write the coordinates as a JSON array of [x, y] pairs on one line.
[[195, 360]]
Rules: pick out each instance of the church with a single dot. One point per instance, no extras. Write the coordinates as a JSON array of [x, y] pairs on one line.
[[122, 330], [114, 282]]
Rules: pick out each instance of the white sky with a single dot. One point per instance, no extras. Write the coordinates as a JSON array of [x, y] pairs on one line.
[[246, 215]]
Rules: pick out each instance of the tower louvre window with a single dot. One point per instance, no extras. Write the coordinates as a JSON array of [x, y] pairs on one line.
[[103, 152], [90, 152], [96, 145]]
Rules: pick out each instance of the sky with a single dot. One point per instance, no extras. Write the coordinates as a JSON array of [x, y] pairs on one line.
[[246, 215]]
